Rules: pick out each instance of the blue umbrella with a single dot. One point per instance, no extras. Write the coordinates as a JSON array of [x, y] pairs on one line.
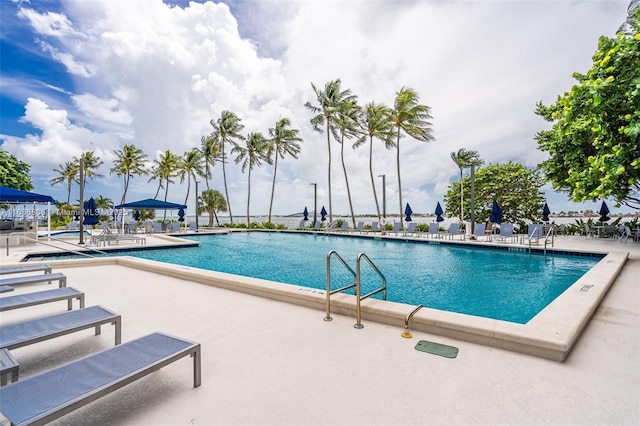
[[180, 214], [323, 213], [496, 213], [306, 214], [408, 212], [136, 215], [439, 212], [604, 211], [90, 212], [545, 213], [75, 216]]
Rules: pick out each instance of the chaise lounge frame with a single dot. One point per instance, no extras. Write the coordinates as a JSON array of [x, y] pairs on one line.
[[41, 297]]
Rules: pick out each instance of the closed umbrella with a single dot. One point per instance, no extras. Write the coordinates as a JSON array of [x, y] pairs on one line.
[[439, 213], [180, 214], [545, 213], [90, 212], [305, 213], [408, 212], [604, 211], [323, 213], [136, 215], [496, 213]]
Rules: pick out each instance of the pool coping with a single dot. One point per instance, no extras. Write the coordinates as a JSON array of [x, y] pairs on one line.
[[551, 334]]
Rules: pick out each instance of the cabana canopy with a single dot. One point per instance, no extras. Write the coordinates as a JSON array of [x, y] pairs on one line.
[[12, 195], [151, 203]]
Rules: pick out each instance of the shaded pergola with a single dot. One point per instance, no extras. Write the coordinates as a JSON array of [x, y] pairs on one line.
[[149, 204], [16, 196]]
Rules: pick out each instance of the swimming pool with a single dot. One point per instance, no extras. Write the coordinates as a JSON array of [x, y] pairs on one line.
[[497, 284], [65, 234]]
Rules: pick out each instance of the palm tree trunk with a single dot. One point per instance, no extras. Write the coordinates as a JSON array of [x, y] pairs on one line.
[[346, 179], [399, 181], [329, 171], [373, 183], [273, 184], [248, 196], [461, 199], [186, 198], [226, 191], [166, 193], [158, 190]]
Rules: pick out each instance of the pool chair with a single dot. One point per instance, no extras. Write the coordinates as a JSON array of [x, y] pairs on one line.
[[157, 227], [42, 398], [411, 229], [396, 228], [479, 231], [316, 225], [72, 226], [344, 227], [534, 233], [360, 227], [454, 230], [433, 231], [132, 227], [506, 233], [193, 227]]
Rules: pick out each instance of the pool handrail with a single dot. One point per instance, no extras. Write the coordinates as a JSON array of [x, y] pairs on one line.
[[329, 292], [359, 298]]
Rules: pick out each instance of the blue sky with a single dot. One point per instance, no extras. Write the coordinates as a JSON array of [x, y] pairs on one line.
[[95, 75]]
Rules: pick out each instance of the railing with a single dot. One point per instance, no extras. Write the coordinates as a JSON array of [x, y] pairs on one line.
[[37, 241], [546, 238], [356, 284]]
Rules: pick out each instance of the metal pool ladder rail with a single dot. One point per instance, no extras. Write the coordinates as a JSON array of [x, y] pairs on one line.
[[356, 284]]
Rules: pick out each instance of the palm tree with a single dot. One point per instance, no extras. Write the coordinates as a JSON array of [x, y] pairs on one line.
[[167, 166], [283, 141], [90, 163], [465, 159], [412, 118], [153, 175], [130, 162], [226, 130], [103, 204], [190, 166], [211, 201], [256, 151], [347, 127], [209, 148], [329, 101], [376, 123], [68, 174]]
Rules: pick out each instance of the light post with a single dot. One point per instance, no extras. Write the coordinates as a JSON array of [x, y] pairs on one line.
[[315, 203], [196, 206], [384, 195], [81, 178]]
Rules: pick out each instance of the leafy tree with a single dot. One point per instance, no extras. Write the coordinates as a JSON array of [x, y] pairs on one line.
[[190, 166], [326, 110], [211, 201], [464, 159], [517, 189], [66, 174], [347, 126], [376, 123], [129, 162], [14, 173], [284, 140], [412, 118], [255, 152], [594, 142], [226, 130]]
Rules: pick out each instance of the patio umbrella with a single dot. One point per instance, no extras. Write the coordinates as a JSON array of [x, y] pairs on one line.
[[439, 213], [180, 214], [408, 212], [545, 213], [136, 215], [323, 213], [604, 211], [496, 213], [90, 212], [305, 214]]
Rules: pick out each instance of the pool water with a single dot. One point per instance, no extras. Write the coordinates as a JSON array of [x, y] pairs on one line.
[[498, 284], [66, 234]]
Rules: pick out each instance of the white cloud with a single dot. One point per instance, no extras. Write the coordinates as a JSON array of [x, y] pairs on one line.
[[154, 75]]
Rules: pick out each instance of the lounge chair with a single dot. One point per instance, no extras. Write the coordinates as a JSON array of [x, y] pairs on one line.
[[193, 227], [34, 279], [107, 237], [132, 227], [50, 395], [25, 333], [434, 228], [396, 228], [374, 226], [157, 227], [316, 226], [41, 297], [175, 227], [534, 233], [411, 229], [72, 226], [589, 232], [360, 227], [479, 230], [343, 227], [31, 267], [506, 233], [454, 230]]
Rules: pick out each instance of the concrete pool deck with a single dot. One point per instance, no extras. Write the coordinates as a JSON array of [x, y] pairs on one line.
[[269, 362]]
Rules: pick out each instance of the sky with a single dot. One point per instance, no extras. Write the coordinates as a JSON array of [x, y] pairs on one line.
[[80, 75]]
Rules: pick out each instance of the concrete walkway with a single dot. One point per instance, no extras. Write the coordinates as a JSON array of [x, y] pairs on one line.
[[271, 363]]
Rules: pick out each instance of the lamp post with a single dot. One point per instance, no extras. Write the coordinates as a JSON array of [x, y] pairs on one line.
[[196, 205], [384, 195], [81, 178], [315, 203]]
